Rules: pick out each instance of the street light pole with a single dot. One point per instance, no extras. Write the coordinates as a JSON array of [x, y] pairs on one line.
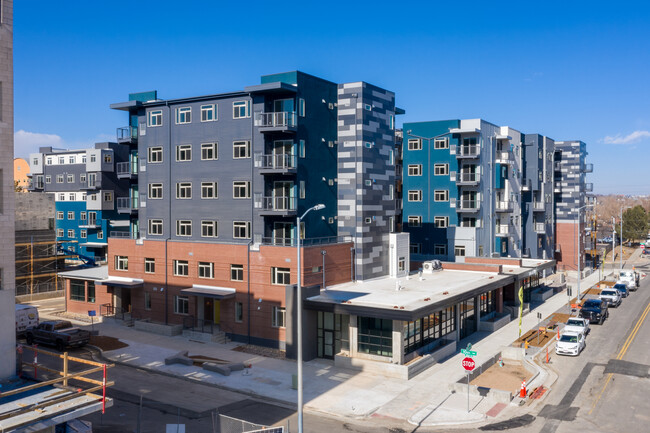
[[580, 252], [621, 242], [299, 313]]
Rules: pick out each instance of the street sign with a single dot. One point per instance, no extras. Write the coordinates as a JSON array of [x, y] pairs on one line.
[[468, 364], [469, 353]]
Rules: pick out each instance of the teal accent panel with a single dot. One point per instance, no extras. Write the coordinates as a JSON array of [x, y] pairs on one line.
[[133, 120], [497, 246], [498, 180], [285, 77], [144, 96]]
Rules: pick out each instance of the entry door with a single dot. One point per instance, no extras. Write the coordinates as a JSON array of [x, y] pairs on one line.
[[282, 233], [126, 299], [328, 344], [282, 195], [208, 309]]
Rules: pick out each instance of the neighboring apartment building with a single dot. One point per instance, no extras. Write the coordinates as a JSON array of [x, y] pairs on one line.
[[7, 229], [86, 190], [571, 194], [21, 175]]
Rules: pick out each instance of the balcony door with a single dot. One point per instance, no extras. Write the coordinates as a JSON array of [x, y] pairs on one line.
[[283, 233], [283, 195], [283, 152], [283, 105]]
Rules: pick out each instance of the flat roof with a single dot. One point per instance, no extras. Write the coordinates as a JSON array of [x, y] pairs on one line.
[[96, 273]]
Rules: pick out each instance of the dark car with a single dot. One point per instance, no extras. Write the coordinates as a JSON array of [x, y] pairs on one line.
[[594, 310], [622, 289]]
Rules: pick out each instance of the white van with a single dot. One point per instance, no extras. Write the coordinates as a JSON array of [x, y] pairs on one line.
[[26, 318], [629, 278]]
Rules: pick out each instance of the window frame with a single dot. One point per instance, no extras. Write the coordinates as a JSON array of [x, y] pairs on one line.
[[415, 169], [155, 191], [237, 226], [181, 268], [439, 249], [183, 115], [121, 263], [278, 316], [154, 118], [414, 220], [441, 222], [207, 187], [414, 195], [441, 195], [155, 155], [236, 272], [155, 223], [237, 145], [210, 147], [213, 225], [414, 144], [280, 276], [184, 228], [182, 189], [205, 270], [183, 152], [238, 186], [441, 143], [441, 169], [241, 109], [149, 265], [213, 111], [181, 305]]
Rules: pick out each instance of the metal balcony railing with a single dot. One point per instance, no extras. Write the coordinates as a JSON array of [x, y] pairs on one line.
[[123, 234], [502, 230], [588, 168], [589, 187], [469, 151], [468, 177], [88, 223], [469, 205], [538, 205], [503, 206], [92, 183], [282, 161], [126, 168], [127, 203], [539, 227], [291, 242], [280, 204], [127, 134], [502, 156], [276, 119]]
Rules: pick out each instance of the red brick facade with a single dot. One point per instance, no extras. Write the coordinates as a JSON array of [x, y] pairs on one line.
[[567, 235]]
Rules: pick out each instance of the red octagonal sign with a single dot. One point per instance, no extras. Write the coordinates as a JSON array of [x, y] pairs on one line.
[[468, 364]]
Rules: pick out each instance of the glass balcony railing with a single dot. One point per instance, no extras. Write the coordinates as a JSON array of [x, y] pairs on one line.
[[279, 204], [126, 169], [278, 119], [278, 161], [468, 177], [127, 134], [469, 205], [468, 151]]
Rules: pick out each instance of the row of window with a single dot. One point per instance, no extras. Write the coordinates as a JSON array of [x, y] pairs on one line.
[[73, 159], [438, 169], [83, 215], [209, 228], [72, 196], [438, 249], [438, 195], [83, 234], [209, 190], [209, 152], [438, 143], [182, 306]]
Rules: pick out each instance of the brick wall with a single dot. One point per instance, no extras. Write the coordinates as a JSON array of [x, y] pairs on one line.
[[566, 234]]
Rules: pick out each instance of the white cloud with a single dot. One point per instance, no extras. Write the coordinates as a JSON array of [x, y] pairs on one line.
[[634, 137], [26, 142]]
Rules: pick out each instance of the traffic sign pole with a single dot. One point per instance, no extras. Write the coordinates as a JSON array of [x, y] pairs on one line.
[[467, 391]]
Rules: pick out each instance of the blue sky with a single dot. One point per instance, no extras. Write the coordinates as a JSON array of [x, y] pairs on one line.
[[569, 70]]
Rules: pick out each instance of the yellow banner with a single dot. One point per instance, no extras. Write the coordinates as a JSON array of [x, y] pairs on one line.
[[521, 306]]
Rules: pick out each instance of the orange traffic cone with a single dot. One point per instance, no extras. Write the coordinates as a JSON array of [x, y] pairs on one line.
[[558, 333], [522, 392]]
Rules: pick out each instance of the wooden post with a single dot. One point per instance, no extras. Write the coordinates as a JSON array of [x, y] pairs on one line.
[[104, 391], [65, 368]]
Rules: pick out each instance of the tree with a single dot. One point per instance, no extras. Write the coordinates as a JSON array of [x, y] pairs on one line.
[[17, 186], [635, 223]]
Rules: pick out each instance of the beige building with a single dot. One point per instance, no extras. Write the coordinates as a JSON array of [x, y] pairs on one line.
[[21, 170]]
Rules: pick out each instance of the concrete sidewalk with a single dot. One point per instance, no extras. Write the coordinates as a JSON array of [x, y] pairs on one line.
[[424, 400]]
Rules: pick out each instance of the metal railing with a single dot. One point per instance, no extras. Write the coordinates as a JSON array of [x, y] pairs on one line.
[[124, 234], [278, 161], [589, 187], [91, 222], [199, 325], [503, 156], [469, 204], [539, 227], [502, 230], [127, 203], [279, 204], [291, 242], [128, 167], [588, 168], [127, 133], [503, 205], [538, 205], [110, 310], [92, 183], [276, 119], [468, 177], [469, 150]]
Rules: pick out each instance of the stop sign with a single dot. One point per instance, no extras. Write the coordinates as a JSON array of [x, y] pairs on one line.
[[468, 364]]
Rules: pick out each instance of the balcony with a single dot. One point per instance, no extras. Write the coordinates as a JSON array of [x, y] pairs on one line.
[[123, 234], [291, 242], [539, 228], [468, 206], [127, 205], [92, 183], [526, 184], [503, 158], [589, 187], [277, 163], [588, 168], [127, 134], [503, 206], [281, 206], [502, 230], [126, 170], [558, 166], [468, 151], [557, 186], [539, 206], [281, 121], [468, 178], [91, 223], [36, 185]]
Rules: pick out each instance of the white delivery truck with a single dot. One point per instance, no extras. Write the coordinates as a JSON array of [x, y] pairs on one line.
[[26, 318]]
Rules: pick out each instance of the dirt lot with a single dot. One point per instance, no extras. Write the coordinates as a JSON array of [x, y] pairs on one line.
[[261, 351], [506, 378], [106, 343], [531, 337]]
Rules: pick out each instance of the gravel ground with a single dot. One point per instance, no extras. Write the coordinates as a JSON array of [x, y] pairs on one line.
[[506, 378], [106, 343]]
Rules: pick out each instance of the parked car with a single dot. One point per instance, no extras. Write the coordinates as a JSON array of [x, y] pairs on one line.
[[577, 325], [629, 278], [622, 289], [611, 296], [26, 318], [570, 343], [594, 310], [58, 333]]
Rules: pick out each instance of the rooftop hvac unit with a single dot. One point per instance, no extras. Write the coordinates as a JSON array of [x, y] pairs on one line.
[[427, 267], [436, 265]]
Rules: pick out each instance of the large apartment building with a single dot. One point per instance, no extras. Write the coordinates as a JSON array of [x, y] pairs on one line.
[[87, 191]]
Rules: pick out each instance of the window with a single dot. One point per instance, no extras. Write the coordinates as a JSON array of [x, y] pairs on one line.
[[183, 115], [241, 229], [59, 178], [184, 190], [375, 336], [121, 263], [367, 107], [209, 229], [155, 227], [302, 189], [415, 169], [441, 222], [208, 113], [70, 178], [301, 149], [149, 266], [237, 272], [278, 316], [61, 196], [181, 268], [441, 195], [70, 215], [415, 221], [181, 305], [82, 215], [241, 109], [468, 222], [59, 215], [209, 151], [415, 144], [415, 248], [59, 233], [184, 152], [183, 228], [241, 189], [206, 270], [71, 233], [441, 169], [391, 121], [83, 159], [61, 159], [209, 190], [77, 290], [48, 161], [440, 249], [100, 234], [108, 158], [155, 191], [108, 196], [71, 196], [239, 312], [82, 178], [155, 155], [93, 158], [415, 195], [48, 179], [241, 149], [280, 276], [83, 234], [441, 143], [301, 107], [147, 301], [154, 118], [83, 196], [91, 292], [459, 251]]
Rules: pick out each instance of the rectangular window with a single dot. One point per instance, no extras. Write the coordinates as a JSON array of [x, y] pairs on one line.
[[440, 249], [155, 155], [71, 196], [184, 190], [241, 109], [209, 151], [415, 248], [82, 178], [440, 222], [154, 118], [48, 179], [61, 196], [93, 158], [155, 191], [281, 276], [459, 251], [183, 228], [147, 301], [441, 169], [181, 305], [415, 221], [83, 234], [59, 233], [209, 229], [149, 266], [301, 107], [241, 229], [59, 215], [209, 190], [59, 178], [415, 144], [302, 189], [208, 113], [70, 215], [183, 115], [375, 336], [70, 178], [206, 270], [108, 158], [278, 316], [82, 215], [415, 195], [237, 272], [241, 149], [441, 143], [391, 121], [239, 312], [100, 234], [108, 196], [415, 169], [441, 195], [71, 233], [155, 227], [61, 159], [121, 263], [48, 161], [77, 290], [241, 189], [181, 268], [184, 152], [301, 149], [91, 292]]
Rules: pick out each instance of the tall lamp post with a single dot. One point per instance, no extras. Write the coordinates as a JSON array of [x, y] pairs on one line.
[[621, 242], [299, 294], [579, 252]]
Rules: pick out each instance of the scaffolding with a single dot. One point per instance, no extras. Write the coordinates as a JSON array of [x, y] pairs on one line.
[[38, 263]]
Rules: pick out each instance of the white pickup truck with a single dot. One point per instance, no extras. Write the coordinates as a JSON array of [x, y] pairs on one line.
[[577, 325], [611, 296], [628, 277]]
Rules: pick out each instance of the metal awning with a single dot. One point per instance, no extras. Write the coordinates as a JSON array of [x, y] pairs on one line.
[[93, 245], [123, 282], [464, 130], [210, 291]]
